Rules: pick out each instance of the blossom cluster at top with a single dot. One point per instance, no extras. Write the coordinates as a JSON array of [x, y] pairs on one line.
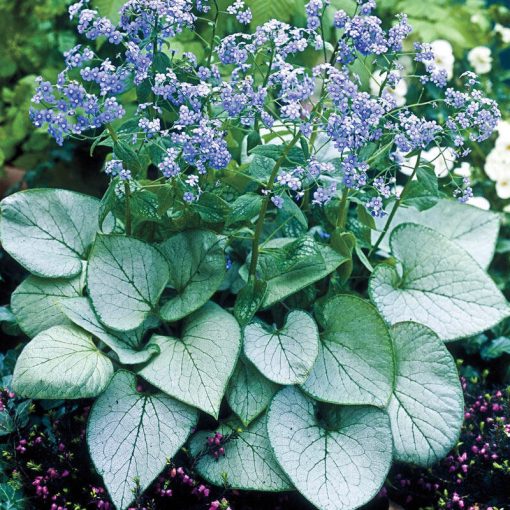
[[254, 82]]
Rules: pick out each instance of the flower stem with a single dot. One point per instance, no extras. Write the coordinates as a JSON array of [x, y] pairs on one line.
[[395, 208], [127, 192], [342, 209], [112, 132], [213, 36], [127, 189], [263, 208]]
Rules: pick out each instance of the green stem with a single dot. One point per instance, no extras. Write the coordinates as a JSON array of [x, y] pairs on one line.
[[127, 192], [395, 208], [315, 131], [342, 209], [127, 189], [263, 208], [213, 36], [112, 132]]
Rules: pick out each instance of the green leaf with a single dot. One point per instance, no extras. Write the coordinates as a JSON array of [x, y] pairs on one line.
[[265, 10], [7, 425], [131, 435], [249, 392], [61, 362], [249, 300], [49, 231], [144, 205], [245, 208], [11, 498], [290, 265], [426, 176], [125, 278], [419, 196], [36, 302], [109, 201], [427, 406], [288, 221], [422, 193], [197, 368], [343, 243], [469, 227], [365, 217], [285, 355], [211, 208], [260, 167], [294, 157], [125, 345], [496, 348], [336, 456], [6, 315], [109, 8], [128, 156], [248, 463], [441, 286], [355, 361], [196, 263]]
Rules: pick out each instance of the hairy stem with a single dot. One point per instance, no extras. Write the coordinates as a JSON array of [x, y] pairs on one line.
[[127, 189], [342, 209], [265, 203], [213, 36], [127, 192], [395, 208]]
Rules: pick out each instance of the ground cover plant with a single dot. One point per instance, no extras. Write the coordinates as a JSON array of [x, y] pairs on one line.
[[271, 276]]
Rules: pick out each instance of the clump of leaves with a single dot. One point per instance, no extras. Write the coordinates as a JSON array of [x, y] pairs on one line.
[[220, 300]]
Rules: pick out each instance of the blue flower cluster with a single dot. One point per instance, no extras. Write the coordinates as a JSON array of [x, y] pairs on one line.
[[253, 82]]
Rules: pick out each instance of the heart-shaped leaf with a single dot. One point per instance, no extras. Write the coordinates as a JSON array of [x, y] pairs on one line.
[[248, 463], [286, 355], [355, 361], [427, 406], [49, 231], [289, 265], [440, 286], [471, 228], [196, 368], [61, 362], [196, 264], [125, 345], [336, 456], [245, 208], [125, 278], [36, 302], [249, 300], [249, 392], [131, 435]]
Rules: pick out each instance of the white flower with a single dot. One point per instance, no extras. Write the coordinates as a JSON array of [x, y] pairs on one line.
[[504, 32], [398, 92], [503, 141], [480, 59], [407, 64], [503, 188], [497, 164], [443, 56], [464, 170], [500, 154], [442, 159], [480, 202]]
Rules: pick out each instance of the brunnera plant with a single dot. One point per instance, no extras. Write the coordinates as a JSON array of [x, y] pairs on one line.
[[273, 276]]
